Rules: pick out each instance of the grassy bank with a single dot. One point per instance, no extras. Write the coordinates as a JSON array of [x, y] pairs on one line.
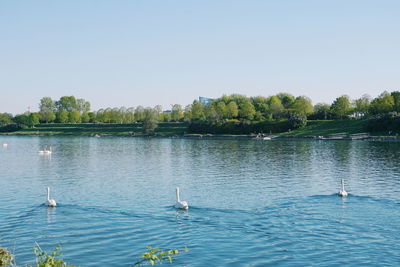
[[330, 127], [89, 129], [313, 128]]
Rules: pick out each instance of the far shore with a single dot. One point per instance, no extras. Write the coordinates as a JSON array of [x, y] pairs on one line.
[[314, 130], [278, 136]]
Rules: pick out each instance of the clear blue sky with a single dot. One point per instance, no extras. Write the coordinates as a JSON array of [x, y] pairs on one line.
[[130, 53]]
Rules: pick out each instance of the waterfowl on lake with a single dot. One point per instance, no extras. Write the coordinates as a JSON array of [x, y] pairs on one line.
[[342, 192], [45, 151], [5, 145], [180, 204], [50, 202]]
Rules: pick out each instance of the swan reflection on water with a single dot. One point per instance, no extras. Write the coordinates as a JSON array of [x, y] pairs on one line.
[[50, 214]]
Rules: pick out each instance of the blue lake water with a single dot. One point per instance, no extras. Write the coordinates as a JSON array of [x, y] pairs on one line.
[[252, 203]]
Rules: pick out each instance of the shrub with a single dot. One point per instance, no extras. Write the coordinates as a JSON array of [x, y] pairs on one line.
[[6, 258], [157, 256], [297, 121], [49, 260]]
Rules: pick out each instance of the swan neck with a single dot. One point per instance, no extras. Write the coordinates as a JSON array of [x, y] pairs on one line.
[[177, 195], [342, 185], [48, 193]]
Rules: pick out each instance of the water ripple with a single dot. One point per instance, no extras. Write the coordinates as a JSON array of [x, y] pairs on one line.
[[251, 203]]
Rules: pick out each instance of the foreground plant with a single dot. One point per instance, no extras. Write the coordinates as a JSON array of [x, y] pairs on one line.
[[6, 258], [49, 260], [157, 256]]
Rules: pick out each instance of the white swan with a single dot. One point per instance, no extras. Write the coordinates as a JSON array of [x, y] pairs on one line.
[[180, 204], [45, 151], [50, 202], [342, 192], [5, 145]]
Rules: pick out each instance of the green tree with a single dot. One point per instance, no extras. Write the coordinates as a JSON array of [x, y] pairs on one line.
[[361, 105], [341, 107], [221, 110], [260, 104], [275, 107], [158, 109], [47, 116], [187, 113], [302, 105], [46, 103], [22, 119], [67, 103], [287, 100], [62, 116], [82, 105], [239, 99], [139, 113], [212, 115], [116, 115], [247, 110], [100, 115], [396, 100], [85, 118], [165, 116], [5, 118], [382, 104], [33, 119], [322, 111], [130, 115], [92, 117], [197, 110], [232, 110], [150, 120], [47, 108], [74, 116], [107, 115], [177, 112]]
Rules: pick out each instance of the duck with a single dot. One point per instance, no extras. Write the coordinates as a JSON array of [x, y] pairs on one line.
[[180, 204], [50, 202], [342, 191]]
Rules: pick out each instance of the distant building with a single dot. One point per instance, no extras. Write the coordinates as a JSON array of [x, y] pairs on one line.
[[205, 101], [357, 115]]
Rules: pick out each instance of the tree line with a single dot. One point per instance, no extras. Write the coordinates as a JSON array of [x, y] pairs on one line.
[[233, 108]]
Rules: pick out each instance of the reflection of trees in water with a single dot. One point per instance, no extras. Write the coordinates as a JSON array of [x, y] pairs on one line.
[[341, 156], [70, 155], [238, 157], [380, 165]]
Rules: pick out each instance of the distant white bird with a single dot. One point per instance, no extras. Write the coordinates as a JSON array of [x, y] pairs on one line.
[[180, 204], [5, 145], [342, 192], [45, 151], [50, 202]]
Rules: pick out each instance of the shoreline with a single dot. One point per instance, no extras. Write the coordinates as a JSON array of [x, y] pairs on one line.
[[214, 137]]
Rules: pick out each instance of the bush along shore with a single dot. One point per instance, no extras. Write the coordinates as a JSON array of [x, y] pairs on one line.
[[234, 115]]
